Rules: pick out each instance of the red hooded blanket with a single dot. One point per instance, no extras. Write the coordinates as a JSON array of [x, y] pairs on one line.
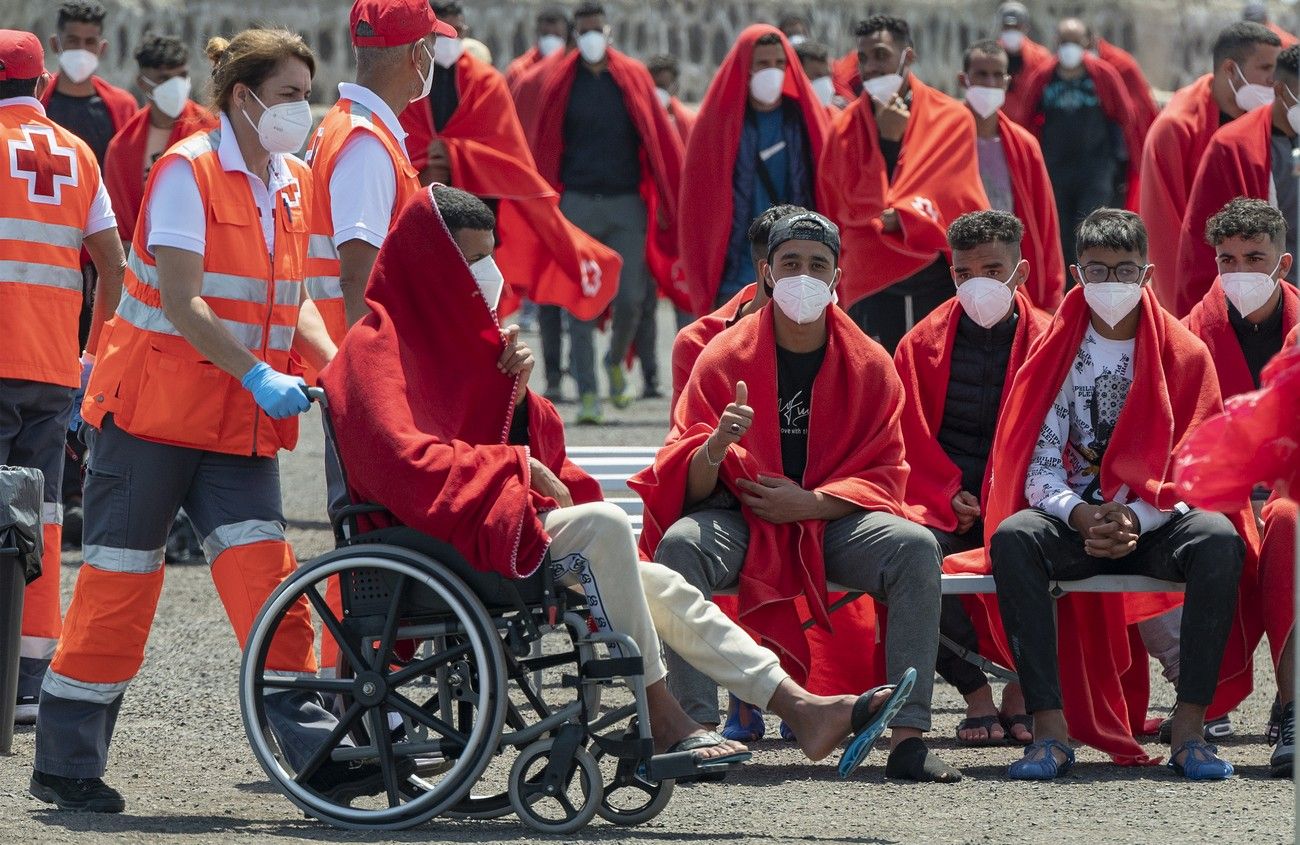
[[522, 64], [1209, 321], [707, 199], [1170, 157], [421, 414], [1237, 163], [862, 464], [541, 253], [661, 154], [124, 161], [1031, 189], [683, 118], [1105, 700], [936, 180], [1115, 103]]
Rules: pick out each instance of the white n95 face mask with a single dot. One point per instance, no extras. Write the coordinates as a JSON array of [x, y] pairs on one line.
[[447, 51], [765, 86], [883, 88], [282, 128], [170, 96], [824, 87], [665, 99], [1012, 40], [490, 281], [1070, 55], [985, 300], [1251, 95], [796, 40], [1248, 292], [592, 45], [78, 65], [549, 44], [426, 80], [1112, 301], [985, 101], [802, 298]]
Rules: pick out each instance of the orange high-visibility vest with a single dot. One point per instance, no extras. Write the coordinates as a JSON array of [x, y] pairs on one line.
[[341, 123], [48, 180], [153, 380]]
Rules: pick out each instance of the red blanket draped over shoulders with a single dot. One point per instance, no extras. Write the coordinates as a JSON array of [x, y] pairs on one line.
[[541, 254], [846, 75], [936, 180], [692, 339], [522, 64], [683, 119], [124, 161], [1135, 81], [1031, 189], [862, 463], [1174, 390], [1170, 158], [707, 199], [1209, 321], [924, 363], [1033, 57], [422, 415], [661, 154], [1237, 163]]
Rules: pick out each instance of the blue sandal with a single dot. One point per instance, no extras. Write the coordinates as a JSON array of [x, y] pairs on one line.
[[1039, 763], [869, 724], [1201, 762], [744, 721]]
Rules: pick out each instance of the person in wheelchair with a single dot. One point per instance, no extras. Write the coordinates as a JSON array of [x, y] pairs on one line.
[[434, 421]]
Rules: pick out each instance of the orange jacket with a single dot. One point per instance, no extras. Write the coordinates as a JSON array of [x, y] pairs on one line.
[[340, 124], [154, 382], [48, 180]]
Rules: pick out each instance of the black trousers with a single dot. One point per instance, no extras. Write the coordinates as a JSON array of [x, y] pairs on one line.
[[1199, 549], [955, 623]]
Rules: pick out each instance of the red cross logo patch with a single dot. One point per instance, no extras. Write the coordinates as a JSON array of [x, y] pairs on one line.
[[46, 167], [591, 277]]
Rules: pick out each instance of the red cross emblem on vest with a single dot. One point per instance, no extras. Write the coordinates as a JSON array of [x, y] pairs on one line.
[[47, 167]]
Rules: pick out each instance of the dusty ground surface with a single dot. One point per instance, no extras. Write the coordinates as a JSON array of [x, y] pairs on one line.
[[181, 759]]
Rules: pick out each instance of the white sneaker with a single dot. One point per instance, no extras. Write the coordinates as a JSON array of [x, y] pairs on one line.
[[25, 712]]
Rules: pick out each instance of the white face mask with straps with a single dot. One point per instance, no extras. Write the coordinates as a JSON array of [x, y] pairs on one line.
[[282, 128], [1249, 292], [985, 300], [765, 85], [802, 298], [78, 65], [170, 96], [1112, 301], [1251, 95], [426, 81], [490, 281], [883, 88]]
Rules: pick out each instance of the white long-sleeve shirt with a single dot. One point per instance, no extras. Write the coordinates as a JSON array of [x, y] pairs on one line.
[[1065, 470]]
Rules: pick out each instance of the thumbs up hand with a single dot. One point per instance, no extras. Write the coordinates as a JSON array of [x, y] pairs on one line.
[[736, 418]]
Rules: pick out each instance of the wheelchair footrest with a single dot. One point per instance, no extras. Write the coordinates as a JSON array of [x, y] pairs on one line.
[[612, 667], [682, 764]]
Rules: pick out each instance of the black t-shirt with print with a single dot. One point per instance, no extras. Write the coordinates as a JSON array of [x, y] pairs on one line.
[[795, 374]]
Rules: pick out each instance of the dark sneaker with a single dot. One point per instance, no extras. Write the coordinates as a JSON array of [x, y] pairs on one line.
[[1283, 760], [25, 712], [81, 795], [341, 782]]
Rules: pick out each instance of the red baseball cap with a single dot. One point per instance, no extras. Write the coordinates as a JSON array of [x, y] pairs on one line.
[[392, 23], [21, 55]]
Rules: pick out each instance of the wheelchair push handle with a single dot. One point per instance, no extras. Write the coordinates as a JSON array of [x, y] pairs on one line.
[[317, 394]]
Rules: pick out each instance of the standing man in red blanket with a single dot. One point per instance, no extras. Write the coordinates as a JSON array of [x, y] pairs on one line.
[[605, 143], [760, 132], [1013, 171], [169, 116], [666, 71], [1025, 54], [553, 30], [1084, 487], [1250, 157], [777, 476], [898, 168], [1244, 56], [957, 366]]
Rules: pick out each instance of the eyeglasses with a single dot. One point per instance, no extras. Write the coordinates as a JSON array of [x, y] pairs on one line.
[[1126, 271]]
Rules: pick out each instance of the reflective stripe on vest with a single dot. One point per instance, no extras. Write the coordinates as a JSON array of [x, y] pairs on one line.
[[46, 275], [321, 249]]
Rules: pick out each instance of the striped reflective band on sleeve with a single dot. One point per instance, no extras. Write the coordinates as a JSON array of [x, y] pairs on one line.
[[321, 246], [323, 258], [37, 648], [70, 689]]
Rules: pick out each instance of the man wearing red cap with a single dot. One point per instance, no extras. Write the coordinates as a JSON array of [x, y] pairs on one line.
[[55, 202]]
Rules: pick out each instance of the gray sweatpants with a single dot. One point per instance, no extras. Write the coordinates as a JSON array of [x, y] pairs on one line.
[[895, 561]]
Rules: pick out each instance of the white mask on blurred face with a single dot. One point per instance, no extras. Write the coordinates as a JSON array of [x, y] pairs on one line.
[[765, 86], [1012, 40], [985, 101], [1249, 292], [824, 87], [883, 88], [78, 65], [1070, 55], [664, 97], [548, 45], [447, 51], [489, 279], [170, 96], [592, 45], [985, 300]]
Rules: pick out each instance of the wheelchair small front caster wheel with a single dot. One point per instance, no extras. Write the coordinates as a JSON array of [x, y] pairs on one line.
[[557, 807], [630, 799]]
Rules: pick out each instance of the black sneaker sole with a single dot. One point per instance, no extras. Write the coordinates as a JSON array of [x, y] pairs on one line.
[[346, 793], [96, 805]]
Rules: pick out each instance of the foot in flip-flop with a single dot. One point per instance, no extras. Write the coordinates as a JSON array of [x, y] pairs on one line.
[[1040, 763], [1019, 720], [1199, 761], [869, 723], [987, 724], [744, 721], [684, 764]]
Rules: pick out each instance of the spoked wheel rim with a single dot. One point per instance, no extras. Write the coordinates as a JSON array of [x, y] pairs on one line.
[[377, 690]]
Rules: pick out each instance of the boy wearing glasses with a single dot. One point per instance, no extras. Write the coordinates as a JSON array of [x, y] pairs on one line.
[[1084, 487]]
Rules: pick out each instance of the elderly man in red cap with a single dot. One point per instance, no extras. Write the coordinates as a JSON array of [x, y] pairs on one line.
[[55, 204]]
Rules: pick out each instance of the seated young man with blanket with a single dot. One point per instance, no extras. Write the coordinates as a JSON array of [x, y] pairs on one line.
[[742, 493], [956, 366], [1084, 487], [434, 420]]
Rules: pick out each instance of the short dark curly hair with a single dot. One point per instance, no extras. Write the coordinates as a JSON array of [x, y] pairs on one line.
[[987, 47], [1288, 61], [588, 10], [1112, 228], [813, 51], [895, 26], [1249, 219], [161, 51], [462, 210], [977, 228], [81, 11], [664, 62]]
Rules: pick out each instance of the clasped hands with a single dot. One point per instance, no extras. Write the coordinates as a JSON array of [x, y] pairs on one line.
[[1109, 530]]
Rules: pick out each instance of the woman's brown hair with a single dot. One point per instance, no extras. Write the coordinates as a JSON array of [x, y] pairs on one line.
[[251, 57]]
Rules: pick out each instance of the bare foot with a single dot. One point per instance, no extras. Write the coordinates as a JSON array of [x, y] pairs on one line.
[[820, 722], [979, 704], [669, 725]]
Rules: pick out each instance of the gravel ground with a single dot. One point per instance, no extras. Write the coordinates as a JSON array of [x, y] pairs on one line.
[[181, 759]]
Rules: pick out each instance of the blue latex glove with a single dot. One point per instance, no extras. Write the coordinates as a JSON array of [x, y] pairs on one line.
[[278, 394], [87, 363]]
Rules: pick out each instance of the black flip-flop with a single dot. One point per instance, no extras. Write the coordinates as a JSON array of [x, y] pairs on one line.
[[985, 723], [1023, 720], [869, 724], [682, 764]]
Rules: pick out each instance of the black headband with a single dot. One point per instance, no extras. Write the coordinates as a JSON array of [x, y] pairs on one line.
[[804, 226]]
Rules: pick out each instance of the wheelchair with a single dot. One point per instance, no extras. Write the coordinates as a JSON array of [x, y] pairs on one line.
[[439, 684]]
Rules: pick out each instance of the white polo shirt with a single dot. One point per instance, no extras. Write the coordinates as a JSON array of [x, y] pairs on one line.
[[175, 215], [363, 186]]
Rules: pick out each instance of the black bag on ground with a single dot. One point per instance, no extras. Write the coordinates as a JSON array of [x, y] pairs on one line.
[[21, 492]]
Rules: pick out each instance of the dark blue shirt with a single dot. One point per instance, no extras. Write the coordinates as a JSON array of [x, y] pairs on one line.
[[602, 150]]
